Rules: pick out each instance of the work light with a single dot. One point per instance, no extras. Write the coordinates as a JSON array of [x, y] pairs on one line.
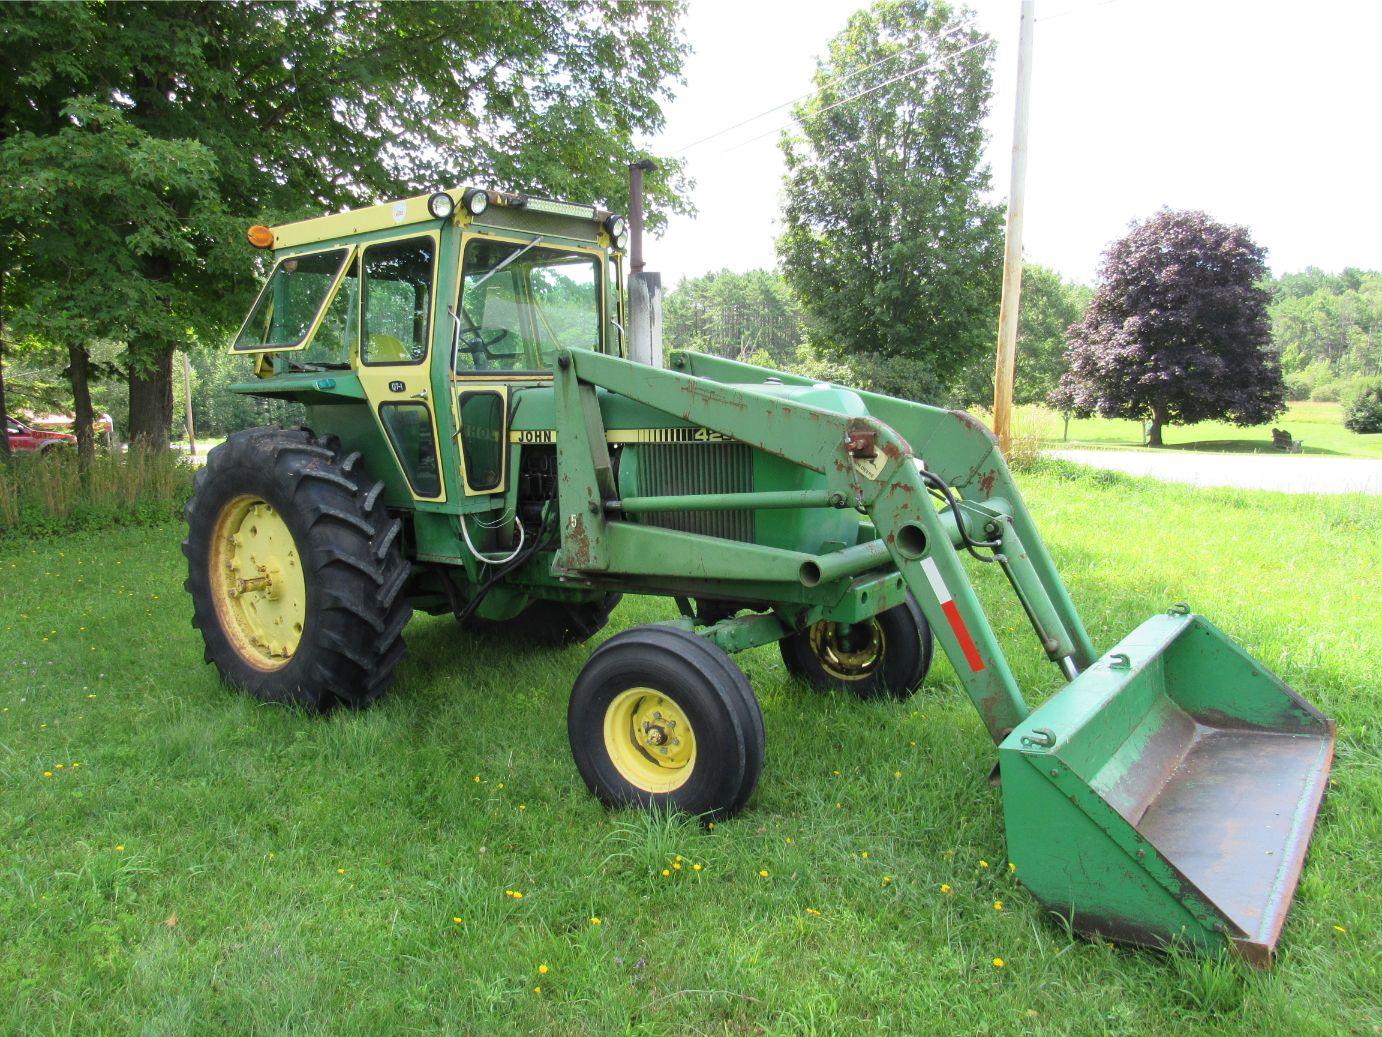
[[475, 201], [441, 205]]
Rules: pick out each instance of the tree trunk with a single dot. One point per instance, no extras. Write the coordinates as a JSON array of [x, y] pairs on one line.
[[151, 400], [1158, 420], [4, 411], [1065, 435], [79, 371]]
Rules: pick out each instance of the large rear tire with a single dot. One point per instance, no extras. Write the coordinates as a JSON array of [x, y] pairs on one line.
[[888, 655], [295, 570], [662, 718]]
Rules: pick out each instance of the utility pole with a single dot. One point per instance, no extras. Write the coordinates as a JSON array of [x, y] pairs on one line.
[[187, 401], [1012, 253]]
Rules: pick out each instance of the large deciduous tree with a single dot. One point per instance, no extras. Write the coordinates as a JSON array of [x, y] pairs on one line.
[[1178, 330], [137, 140], [887, 239]]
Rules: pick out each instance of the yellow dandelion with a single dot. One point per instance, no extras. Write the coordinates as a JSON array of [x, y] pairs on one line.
[[897, 774], [501, 784], [594, 919], [1340, 929], [695, 867], [865, 855], [120, 848], [945, 887], [998, 905], [763, 873], [518, 894], [813, 912], [340, 871], [542, 969], [839, 806], [458, 920], [537, 990], [1011, 867], [47, 774], [679, 858], [59, 766], [91, 696], [676, 866], [477, 779], [984, 864], [887, 879], [75, 766], [789, 838], [836, 773], [665, 872], [998, 963], [523, 806], [710, 825]]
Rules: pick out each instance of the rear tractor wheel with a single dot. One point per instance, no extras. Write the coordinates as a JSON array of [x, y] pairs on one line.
[[661, 717], [295, 570], [888, 655]]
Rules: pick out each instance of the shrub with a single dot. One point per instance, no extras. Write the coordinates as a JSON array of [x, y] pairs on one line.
[[45, 495], [1299, 385], [1363, 407]]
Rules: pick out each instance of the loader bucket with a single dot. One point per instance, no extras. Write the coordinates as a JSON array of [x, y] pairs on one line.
[[1167, 794]]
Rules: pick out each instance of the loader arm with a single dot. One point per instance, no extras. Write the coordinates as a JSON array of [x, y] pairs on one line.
[[867, 462]]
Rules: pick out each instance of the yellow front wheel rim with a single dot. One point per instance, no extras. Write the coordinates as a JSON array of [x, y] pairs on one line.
[[848, 651], [257, 582], [649, 740]]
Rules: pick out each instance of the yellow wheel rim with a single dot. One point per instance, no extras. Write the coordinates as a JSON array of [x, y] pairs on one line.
[[849, 651], [649, 740], [257, 583]]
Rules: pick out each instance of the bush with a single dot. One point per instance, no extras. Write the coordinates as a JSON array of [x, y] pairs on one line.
[[1299, 385], [1363, 407], [43, 495]]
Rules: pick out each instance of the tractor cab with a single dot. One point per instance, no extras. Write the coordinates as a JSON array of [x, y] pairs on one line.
[[436, 311]]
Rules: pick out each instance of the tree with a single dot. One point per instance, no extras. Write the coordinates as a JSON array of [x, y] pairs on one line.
[[1178, 329], [734, 315], [218, 115], [887, 239]]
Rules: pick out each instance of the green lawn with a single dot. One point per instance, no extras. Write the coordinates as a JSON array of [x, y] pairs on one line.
[[200, 864], [1320, 426]]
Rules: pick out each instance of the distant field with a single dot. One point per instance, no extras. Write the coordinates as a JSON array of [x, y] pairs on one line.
[[178, 860], [1319, 425]]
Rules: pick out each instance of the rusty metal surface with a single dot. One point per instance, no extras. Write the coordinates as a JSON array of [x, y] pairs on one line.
[[1235, 817]]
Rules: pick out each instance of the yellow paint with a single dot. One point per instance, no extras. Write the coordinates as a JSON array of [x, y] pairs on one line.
[[848, 652], [649, 740], [257, 583], [316, 321], [402, 213]]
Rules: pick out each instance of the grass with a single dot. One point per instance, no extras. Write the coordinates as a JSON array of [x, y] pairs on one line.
[[51, 494], [1320, 426], [217, 866]]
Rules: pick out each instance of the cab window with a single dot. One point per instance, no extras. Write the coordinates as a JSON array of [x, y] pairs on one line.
[[520, 303], [288, 305], [396, 306]]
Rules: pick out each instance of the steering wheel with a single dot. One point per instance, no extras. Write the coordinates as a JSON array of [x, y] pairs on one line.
[[474, 341]]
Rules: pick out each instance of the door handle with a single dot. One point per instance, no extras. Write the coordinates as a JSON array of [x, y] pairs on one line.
[[420, 394]]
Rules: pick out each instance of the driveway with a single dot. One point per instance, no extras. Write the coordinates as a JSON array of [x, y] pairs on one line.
[[1300, 473]]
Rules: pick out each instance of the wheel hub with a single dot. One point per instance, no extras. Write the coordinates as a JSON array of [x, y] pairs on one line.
[[848, 651], [649, 740], [257, 582]]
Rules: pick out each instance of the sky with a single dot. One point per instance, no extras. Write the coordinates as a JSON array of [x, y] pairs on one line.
[[1259, 113]]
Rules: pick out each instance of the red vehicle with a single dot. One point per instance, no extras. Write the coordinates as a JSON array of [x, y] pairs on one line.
[[25, 439]]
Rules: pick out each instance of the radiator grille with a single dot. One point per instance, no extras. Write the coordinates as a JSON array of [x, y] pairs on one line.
[[675, 468]]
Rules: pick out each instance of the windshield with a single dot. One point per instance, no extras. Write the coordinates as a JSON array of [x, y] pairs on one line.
[[293, 296], [520, 302]]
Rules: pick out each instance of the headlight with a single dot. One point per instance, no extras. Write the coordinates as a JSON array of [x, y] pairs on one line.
[[616, 227], [441, 205], [622, 241], [475, 201]]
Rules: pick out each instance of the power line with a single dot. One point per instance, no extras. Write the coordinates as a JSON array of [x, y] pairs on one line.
[[838, 82], [865, 93]]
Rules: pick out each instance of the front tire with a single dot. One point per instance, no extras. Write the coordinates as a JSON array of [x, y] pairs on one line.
[[295, 570], [886, 656], [662, 718]]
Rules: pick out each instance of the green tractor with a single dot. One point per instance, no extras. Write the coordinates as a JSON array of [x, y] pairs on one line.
[[479, 444]]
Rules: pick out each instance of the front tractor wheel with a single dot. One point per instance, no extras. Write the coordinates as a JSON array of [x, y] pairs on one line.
[[661, 717], [888, 655], [295, 571]]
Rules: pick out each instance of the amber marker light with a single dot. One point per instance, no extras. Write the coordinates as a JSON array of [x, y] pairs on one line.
[[261, 237]]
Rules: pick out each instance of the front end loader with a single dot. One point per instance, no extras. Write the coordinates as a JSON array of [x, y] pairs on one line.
[[476, 443]]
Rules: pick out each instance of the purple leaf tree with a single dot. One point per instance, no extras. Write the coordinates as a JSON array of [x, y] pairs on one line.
[[1177, 331]]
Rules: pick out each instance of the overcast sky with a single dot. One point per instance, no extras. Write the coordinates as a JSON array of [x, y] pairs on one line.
[[1264, 114]]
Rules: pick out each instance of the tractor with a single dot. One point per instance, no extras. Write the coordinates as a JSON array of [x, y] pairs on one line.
[[478, 443]]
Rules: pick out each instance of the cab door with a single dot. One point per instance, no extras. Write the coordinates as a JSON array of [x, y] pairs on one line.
[[398, 284]]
